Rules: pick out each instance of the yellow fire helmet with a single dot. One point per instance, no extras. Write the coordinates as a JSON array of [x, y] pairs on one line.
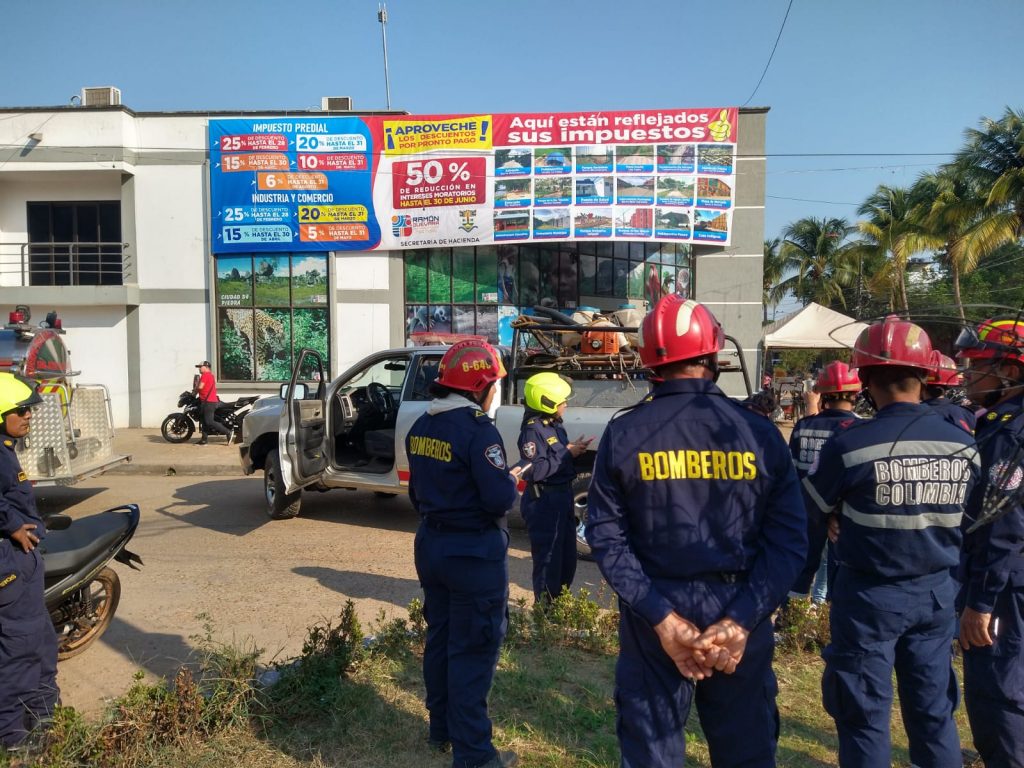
[[546, 391], [16, 392]]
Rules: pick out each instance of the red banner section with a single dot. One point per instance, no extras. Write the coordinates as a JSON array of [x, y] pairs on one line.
[[637, 127], [448, 181]]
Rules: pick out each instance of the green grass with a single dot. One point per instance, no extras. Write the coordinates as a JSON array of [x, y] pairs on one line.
[[349, 705]]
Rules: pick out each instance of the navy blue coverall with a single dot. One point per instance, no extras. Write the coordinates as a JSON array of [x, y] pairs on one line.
[[953, 413], [461, 487], [547, 504], [28, 645], [809, 435], [992, 574], [695, 508], [902, 479]]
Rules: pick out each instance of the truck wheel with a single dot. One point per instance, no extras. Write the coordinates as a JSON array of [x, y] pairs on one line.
[[177, 428], [580, 491], [280, 505]]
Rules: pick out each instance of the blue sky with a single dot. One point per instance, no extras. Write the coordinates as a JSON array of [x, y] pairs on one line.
[[893, 77]]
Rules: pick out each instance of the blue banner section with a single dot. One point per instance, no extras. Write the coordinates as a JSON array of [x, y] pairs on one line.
[[264, 171]]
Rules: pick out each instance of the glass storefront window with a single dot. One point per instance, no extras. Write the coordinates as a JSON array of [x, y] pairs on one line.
[[464, 276], [439, 284], [479, 291]]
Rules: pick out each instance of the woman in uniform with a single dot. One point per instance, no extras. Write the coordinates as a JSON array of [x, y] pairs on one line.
[[462, 487]]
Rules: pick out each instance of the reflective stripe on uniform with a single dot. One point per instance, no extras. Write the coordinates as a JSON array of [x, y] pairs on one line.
[[900, 448], [815, 496], [903, 522]]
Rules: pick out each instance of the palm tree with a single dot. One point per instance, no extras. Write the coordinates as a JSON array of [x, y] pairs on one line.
[[818, 251], [950, 213], [993, 159], [774, 267], [894, 232]]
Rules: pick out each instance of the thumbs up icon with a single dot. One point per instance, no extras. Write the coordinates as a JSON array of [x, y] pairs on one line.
[[721, 128]]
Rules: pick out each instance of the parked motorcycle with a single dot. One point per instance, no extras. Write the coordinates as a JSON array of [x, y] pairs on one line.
[[180, 426], [82, 591]]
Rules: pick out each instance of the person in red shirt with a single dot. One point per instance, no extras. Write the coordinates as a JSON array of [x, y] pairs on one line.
[[206, 388]]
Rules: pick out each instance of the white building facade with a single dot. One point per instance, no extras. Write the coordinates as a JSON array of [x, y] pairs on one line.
[[105, 217]]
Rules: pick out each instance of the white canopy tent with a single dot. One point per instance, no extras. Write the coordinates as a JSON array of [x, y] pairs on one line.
[[813, 327]]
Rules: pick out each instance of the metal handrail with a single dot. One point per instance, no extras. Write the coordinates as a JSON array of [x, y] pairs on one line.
[[74, 263]]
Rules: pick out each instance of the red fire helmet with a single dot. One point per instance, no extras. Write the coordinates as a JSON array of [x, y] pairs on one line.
[[837, 377], [678, 329], [994, 339], [893, 342], [944, 372], [470, 366]]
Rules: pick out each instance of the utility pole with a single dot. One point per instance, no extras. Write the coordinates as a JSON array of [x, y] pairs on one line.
[[382, 17]]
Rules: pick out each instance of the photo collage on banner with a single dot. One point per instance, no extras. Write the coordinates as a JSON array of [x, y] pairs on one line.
[[269, 306]]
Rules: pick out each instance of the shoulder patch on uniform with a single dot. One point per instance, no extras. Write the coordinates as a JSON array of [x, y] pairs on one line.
[[7, 579], [529, 449], [553, 439], [846, 423], [22, 477], [992, 416], [9, 443], [478, 414], [531, 420], [495, 455], [1005, 478], [1007, 416]]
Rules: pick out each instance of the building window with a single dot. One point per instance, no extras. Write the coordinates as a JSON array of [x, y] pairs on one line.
[[75, 243], [479, 291], [270, 306]]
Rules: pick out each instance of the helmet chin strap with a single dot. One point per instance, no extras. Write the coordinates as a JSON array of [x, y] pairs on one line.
[[993, 396], [712, 363]]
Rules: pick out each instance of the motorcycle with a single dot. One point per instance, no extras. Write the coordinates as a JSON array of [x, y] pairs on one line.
[[179, 427], [82, 592]]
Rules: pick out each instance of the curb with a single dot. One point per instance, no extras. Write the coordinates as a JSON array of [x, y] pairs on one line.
[[166, 470]]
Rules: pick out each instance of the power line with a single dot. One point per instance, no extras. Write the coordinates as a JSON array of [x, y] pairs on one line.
[[772, 55], [807, 200]]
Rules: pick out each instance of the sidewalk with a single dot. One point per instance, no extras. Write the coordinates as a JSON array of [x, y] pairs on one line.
[[152, 455]]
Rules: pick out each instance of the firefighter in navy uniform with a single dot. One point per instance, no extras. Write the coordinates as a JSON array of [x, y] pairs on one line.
[[901, 480], [461, 485], [28, 645], [945, 376], [838, 385], [992, 564], [547, 505], [696, 521]]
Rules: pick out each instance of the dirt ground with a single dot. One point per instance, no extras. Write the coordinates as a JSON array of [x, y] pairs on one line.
[[209, 549]]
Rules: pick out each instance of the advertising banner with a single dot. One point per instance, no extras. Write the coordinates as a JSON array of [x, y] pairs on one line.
[[364, 183]]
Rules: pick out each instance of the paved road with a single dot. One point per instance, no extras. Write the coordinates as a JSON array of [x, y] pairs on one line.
[[209, 548]]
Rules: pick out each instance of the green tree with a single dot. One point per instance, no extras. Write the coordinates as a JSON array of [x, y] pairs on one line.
[[819, 256], [993, 159], [950, 212], [774, 268], [892, 232]]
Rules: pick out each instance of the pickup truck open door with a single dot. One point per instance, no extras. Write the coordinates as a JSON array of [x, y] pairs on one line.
[[303, 433]]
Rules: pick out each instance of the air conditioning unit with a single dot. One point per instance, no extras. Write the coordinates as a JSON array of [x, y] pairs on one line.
[[102, 96], [336, 103]]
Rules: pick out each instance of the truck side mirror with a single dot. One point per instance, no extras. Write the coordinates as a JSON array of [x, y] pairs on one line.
[[301, 391]]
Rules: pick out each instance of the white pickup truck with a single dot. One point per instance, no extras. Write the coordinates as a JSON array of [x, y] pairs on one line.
[[350, 433]]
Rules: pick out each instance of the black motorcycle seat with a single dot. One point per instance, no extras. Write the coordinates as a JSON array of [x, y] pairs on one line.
[[222, 406], [65, 551]]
